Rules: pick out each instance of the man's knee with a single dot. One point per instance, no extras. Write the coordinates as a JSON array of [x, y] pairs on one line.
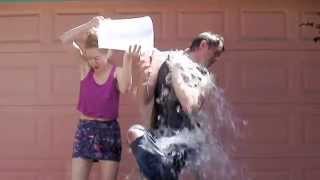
[[135, 132]]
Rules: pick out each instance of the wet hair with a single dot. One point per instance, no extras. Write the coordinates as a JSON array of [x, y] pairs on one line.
[[213, 40], [91, 40]]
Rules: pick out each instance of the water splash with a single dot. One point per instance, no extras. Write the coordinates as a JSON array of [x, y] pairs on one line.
[[219, 128]]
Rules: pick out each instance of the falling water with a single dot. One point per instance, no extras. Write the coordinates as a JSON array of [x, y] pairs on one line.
[[219, 127]]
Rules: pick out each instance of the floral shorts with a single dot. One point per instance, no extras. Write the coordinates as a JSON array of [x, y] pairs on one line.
[[98, 140]]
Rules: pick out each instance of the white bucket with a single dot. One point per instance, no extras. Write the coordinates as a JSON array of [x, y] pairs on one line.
[[119, 34]]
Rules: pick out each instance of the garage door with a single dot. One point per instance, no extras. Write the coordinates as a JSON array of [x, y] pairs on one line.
[[270, 73]]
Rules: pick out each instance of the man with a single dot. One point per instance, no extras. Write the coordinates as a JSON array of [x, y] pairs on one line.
[[176, 83]]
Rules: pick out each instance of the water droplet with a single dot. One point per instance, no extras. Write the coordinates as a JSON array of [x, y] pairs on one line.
[[178, 109]]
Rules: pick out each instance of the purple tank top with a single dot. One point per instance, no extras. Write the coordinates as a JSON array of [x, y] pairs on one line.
[[100, 101]]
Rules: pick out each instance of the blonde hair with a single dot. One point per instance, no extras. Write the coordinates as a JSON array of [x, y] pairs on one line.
[[91, 40]]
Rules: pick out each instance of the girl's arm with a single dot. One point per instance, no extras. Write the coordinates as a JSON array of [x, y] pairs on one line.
[[124, 73], [145, 73], [145, 76], [73, 41], [80, 31], [75, 37]]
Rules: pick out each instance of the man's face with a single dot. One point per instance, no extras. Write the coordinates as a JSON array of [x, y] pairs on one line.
[[212, 56]]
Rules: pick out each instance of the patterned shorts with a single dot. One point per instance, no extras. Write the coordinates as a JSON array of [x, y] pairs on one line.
[[98, 140]]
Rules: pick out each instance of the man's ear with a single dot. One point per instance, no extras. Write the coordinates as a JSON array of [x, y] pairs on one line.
[[203, 44]]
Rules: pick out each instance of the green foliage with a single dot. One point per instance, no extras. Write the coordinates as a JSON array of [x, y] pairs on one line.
[[313, 25]]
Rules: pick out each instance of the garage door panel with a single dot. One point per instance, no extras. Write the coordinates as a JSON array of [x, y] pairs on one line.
[[311, 174], [22, 30], [210, 20], [44, 135], [251, 19], [268, 126], [309, 78], [54, 176], [25, 77], [56, 82], [64, 81], [64, 175], [17, 27], [261, 76], [129, 113], [269, 73], [270, 174], [273, 77], [158, 16], [19, 175], [32, 165], [307, 34], [309, 120], [20, 78], [64, 124], [279, 29], [19, 135], [311, 126], [65, 20], [291, 169], [44, 169], [279, 130], [274, 35], [36, 133]]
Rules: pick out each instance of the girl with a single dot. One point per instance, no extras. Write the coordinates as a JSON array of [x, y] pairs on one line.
[[98, 136]]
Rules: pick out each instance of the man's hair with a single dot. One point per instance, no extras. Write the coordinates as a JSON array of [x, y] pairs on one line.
[[91, 40], [213, 40]]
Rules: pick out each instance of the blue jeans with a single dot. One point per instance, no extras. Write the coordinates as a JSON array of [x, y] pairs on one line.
[[154, 163]]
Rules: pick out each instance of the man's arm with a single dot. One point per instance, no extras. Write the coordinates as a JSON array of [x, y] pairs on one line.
[[190, 92], [189, 98]]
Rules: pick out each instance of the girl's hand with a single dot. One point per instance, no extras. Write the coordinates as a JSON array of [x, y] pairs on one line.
[[141, 64], [133, 54], [95, 22]]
